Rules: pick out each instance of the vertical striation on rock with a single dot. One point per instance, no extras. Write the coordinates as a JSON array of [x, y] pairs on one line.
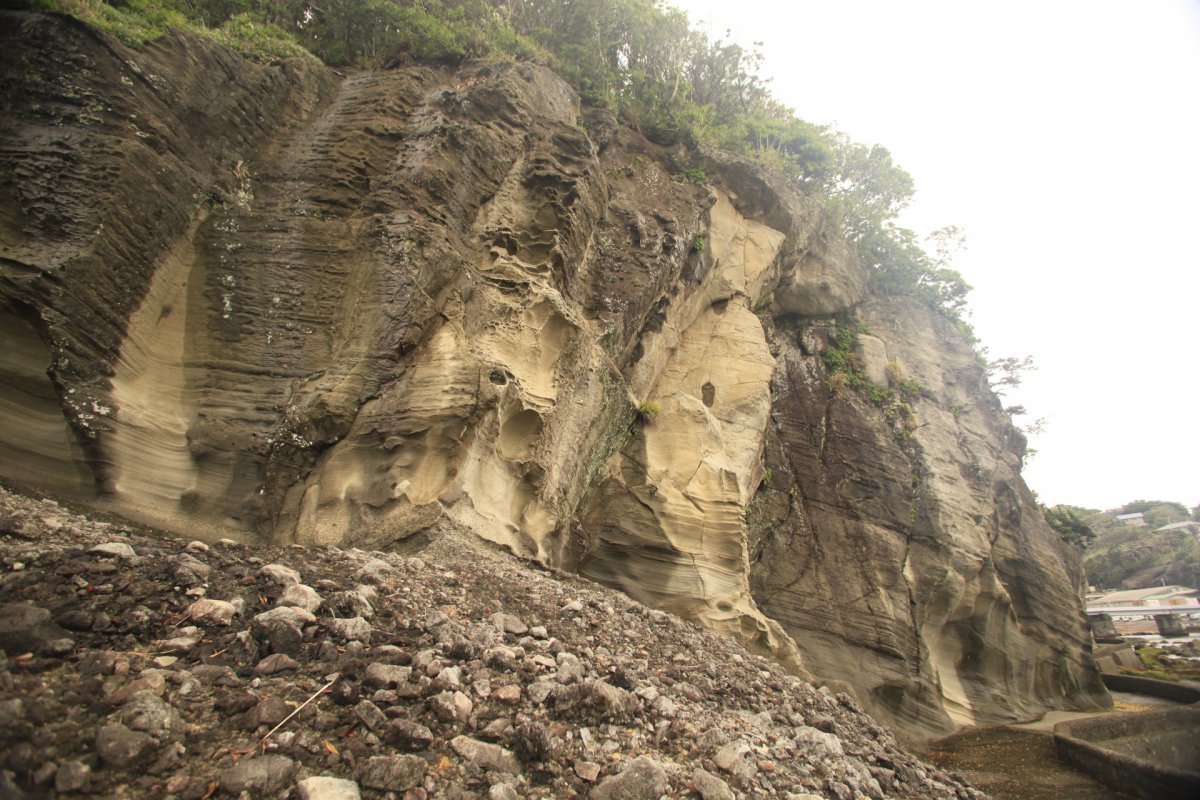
[[270, 301], [905, 543]]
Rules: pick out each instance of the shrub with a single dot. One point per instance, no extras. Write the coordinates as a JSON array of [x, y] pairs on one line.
[[646, 412]]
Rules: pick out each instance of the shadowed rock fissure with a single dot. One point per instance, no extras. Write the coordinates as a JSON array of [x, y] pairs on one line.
[[274, 303]]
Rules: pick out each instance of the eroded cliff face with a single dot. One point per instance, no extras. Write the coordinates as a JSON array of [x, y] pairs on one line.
[[271, 301]]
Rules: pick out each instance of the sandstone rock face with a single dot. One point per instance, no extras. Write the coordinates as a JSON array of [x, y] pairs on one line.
[[271, 302], [902, 547]]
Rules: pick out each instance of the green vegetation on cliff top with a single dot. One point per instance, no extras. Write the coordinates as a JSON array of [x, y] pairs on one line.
[[638, 58]]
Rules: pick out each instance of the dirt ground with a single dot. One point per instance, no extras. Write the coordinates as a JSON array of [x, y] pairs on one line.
[[1014, 764]]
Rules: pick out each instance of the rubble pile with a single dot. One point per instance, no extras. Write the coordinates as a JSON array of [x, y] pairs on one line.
[[142, 665]]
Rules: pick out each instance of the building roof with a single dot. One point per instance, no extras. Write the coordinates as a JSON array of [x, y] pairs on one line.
[[1174, 526], [1129, 516], [1135, 595]]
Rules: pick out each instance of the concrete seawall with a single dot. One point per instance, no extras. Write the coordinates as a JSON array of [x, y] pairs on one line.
[[1154, 754], [1175, 692]]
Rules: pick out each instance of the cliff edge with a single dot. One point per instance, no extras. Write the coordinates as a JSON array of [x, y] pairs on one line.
[[275, 303]]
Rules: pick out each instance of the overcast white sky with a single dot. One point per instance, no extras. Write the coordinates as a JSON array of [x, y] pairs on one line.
[[1063, 136]]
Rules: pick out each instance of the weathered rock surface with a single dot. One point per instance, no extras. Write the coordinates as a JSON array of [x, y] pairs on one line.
[[273, 303], [901, 545]]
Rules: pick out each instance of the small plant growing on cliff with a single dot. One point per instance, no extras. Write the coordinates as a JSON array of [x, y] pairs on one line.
[[909, 387], [696, 175], [646, 412], [699, 243]]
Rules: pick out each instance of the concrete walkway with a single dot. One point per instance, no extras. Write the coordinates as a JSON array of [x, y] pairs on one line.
[[1013, 762]]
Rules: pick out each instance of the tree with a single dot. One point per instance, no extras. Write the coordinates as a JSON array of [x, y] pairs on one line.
[[1007, 373], [1067, 524]]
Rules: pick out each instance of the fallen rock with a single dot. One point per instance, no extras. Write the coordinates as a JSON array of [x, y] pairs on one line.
[[642, 779], [391, 773], [259, 776], [602, 699], [189, 571], [147, 712], [115, 549], [381, 676], [300, 596], [323, 788], [73, 776], [354, 629], [119, 746], [405, 734], [212, 612], [25, 627], [282, 628], [487, 756], [276, 663], [710, 786], [280, 574], [509, 623]]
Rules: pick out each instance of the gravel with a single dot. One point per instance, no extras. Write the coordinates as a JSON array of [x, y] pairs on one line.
[[133, 664]]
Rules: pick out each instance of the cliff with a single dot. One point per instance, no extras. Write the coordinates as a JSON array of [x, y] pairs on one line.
[[277, 303]]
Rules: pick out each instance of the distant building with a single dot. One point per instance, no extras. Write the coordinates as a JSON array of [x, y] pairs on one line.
[[1155, 596], [1132, 520], [1190, 527]]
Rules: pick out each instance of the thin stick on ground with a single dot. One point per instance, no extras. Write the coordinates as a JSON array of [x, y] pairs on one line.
[[263, 742]]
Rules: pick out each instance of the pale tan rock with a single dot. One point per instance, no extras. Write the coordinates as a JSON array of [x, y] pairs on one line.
[[435, 297]]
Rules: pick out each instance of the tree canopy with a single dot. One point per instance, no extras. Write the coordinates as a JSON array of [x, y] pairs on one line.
[[1067, 523]]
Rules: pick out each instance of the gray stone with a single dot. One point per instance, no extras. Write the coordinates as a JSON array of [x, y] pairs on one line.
[[300, 596], [280, 574], [818, 743], [25, 627], [730, 753], [587, 770], [351, 604], [323, 788], [606, 701], [369, 714], [377, 572], [259, 776], [279, 662], [118, 746], [450, 706], [55, 648], [449, 678], [391, 773], [115, 549], [382, 676], [486, 756], [212, 612], [146, 712], [72, 776], [710, 786], [189, 571], [405, 734], [503, 791], [539, 691], [12, 713], [570, 669], [509, 623], [353, 629], [269, 711], [642, 779], [215, 674], [282, 628]]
